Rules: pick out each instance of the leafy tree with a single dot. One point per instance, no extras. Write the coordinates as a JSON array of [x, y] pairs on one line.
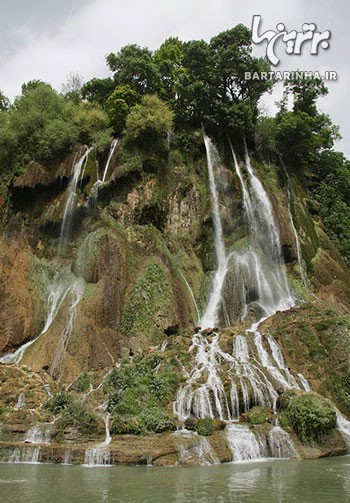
[[134, 65], [148, 123], [42, 125], [195, 89], [97, 90], [169, 59], [303, 132], [4, 102], [305, 93], [32, 84], [71, 89], [118, 106], [88, 118], [8, 142], [237, 97], [331, 189]]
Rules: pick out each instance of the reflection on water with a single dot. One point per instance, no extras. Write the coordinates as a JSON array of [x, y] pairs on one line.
[[320, 481]]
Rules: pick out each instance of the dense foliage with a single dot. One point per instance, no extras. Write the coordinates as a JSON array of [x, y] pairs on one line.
[[72, 413], [42, 125], [138, 393], [309, 415], [179, 88]]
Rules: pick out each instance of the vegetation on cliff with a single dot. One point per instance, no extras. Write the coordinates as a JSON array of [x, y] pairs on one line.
[[143, 238]]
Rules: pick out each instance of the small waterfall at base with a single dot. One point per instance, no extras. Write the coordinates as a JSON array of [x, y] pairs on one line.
[[243, 444], [27, 454], [67, 459], [100, 455], [280, 443], [38, 434], [198, 450], [344, 426], [247, 445]]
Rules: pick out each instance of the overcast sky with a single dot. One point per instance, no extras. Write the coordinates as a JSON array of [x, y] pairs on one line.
[[48, 40]]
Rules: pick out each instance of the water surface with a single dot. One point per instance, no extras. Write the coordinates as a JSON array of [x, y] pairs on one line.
[[325, 480]]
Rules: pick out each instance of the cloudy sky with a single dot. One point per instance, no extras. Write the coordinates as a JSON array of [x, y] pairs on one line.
[[48, 40]]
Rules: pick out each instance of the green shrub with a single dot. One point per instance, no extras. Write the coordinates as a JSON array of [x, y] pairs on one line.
[[138, 390], [340, 389], [83, 382], [78, 415], [58, 402], [205, 427], [258, 415], [156, 420], [127, 425], [148, 123], [163, 385], [309, 415]]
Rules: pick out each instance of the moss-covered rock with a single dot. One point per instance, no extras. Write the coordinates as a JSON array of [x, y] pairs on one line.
[[259, 415], [148, 302]]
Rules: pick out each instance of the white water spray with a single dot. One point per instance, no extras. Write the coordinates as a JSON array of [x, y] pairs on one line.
[[210, 316], [110, 156]]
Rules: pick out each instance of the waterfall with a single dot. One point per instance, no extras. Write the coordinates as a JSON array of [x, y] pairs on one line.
[[110, 155], [210, 316], [198, 449], [261, 265], [100, 455], [304, 382], [76, 292], [246, 445], [281, 444], [63, 284], [67, 459], [23, 455], [67, 221], [243, 444], [17, 355], [195, 305], [295, 232], [224, 384], [38, 434], [344, 426]]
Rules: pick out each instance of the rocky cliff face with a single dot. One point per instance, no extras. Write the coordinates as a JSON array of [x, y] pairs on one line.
[[140, 252]]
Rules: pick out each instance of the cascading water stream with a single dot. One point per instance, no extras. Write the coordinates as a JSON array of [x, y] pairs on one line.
[[58, 290], [261, 265], [66, 227], [222, 384], [100, 455], [76, 292], [210, 316], [195, 305], [110, 156], [295, 232], [65, 285]]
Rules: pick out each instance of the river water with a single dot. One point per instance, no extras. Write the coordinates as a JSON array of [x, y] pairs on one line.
[[324, 480]]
